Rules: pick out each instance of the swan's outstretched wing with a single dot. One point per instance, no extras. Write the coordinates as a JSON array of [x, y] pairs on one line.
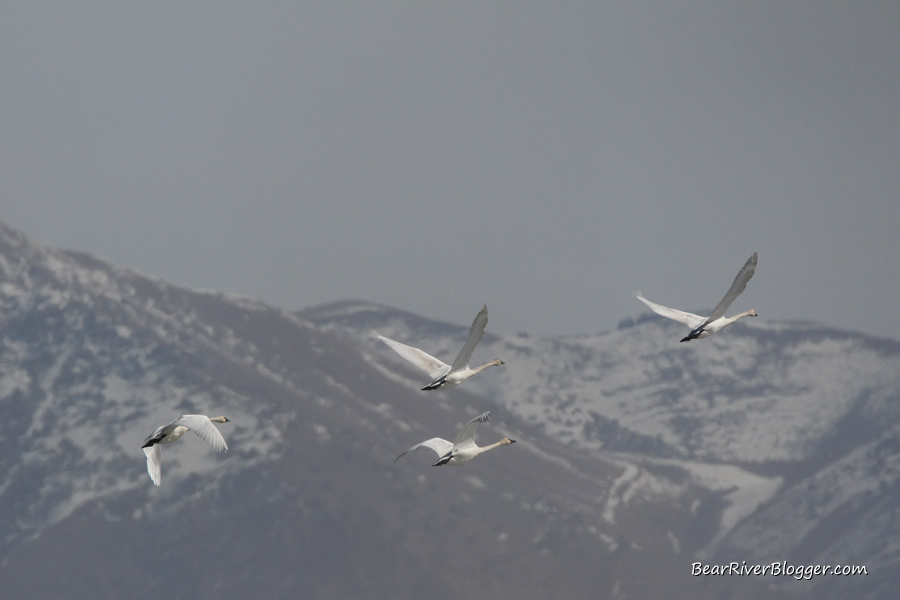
[[467, 433], [202, 426], [476, 332], [154, 466], [441, 446], [424, 361], [740, 282], [691, 320]]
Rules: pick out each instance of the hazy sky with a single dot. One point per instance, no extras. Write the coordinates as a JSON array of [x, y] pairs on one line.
[[546, 158]]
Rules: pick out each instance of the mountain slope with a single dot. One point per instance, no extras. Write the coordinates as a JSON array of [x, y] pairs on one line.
[[306, 502], [617, 483], [792, 427]]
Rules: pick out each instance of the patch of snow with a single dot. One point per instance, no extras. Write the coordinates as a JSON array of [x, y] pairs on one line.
[[322, 432], [476, 482], [676, 545], [630, 474]]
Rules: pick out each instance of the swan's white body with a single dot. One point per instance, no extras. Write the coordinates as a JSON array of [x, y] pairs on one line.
[[166, 434], [703, 327], [463, 449], [442, 374]]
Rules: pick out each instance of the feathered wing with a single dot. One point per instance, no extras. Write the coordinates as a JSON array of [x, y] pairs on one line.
[[691, 320], [476, 332], [467, 433], [158, 432], [737, 286], [441, 446], [202, 426], [154, 467], [422, 360]]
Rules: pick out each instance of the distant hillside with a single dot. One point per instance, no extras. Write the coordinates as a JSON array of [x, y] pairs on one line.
[[792, 427], [636, 455]]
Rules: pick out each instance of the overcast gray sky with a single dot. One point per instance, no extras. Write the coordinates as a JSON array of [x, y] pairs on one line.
[[546, 158]]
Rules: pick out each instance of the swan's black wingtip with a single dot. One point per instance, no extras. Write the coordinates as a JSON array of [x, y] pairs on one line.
[[434, 384]]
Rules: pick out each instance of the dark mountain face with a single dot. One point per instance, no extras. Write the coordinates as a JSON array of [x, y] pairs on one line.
[[612, 490]]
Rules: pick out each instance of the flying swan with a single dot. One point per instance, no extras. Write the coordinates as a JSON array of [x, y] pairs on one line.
[[442, 374], [463, 449], [702, 327], [166, 434]]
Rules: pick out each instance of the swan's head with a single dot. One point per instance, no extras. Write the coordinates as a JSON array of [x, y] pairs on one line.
[[220, 419], [497, 362], [506, 441], [752, 313]]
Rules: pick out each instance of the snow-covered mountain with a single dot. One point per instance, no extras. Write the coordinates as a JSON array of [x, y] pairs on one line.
[[636, 455], [792, 427]]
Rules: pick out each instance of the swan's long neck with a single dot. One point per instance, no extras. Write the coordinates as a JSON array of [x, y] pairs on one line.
[[483, 449], [493, 363], [730, 320]]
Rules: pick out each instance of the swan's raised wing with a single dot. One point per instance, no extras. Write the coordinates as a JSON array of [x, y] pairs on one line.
[[467, 433], [476, 332], [691, 320], [423, 360], [740, 282], [441, 446], [202, 426], [154, 466]]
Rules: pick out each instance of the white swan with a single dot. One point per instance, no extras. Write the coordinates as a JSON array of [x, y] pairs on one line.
[[463, 449], [702, 327], [442, 374], [166, 434]]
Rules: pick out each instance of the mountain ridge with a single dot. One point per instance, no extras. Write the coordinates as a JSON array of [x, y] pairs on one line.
[[629, 463]]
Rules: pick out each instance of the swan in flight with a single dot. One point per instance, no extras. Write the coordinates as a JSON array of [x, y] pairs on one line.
[[463, 449], [442, 374], [166, 434], [702, 327]]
